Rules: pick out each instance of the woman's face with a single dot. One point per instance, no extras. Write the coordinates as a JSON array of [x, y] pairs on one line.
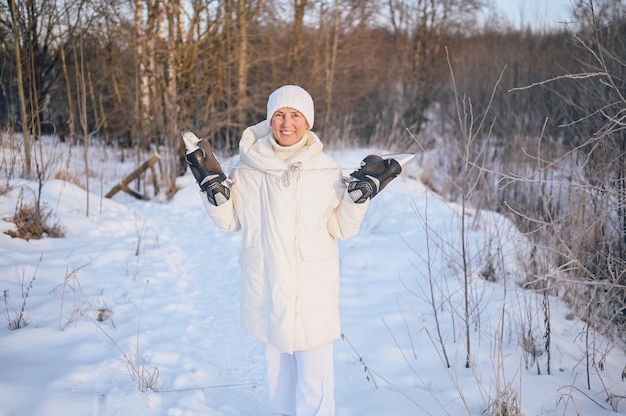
[[289, 126]]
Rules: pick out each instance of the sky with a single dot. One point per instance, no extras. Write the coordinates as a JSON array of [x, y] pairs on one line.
[[136, 310], [537, 13]]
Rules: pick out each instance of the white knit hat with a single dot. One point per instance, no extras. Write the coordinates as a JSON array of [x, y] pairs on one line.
[[295, 97]]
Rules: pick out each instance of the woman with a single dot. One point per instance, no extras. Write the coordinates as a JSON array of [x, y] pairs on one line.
[[292, 204]]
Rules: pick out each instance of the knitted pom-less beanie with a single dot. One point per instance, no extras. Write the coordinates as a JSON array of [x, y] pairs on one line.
[[295, 97]]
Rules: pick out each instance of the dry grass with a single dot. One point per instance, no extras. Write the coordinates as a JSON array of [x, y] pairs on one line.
[[19, 316], [66, 176], [32, 222]]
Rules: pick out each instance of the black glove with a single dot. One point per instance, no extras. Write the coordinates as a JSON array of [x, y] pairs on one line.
[[372, 177], [208, 172]]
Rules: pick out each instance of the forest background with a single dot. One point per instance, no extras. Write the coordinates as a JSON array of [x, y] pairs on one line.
[[524, 121]]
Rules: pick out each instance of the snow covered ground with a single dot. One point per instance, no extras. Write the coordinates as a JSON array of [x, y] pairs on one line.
[[135, 311]]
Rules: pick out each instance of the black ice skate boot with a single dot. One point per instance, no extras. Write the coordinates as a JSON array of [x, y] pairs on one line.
[[205, 168], [373, 175]]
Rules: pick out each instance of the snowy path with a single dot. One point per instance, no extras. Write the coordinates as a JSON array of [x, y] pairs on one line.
[[203, 356]]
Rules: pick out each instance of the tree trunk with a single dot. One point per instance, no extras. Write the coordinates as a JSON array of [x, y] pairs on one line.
[[68, 92], [295, 62], [20, 90], [142, 103], [242, 67], [330, 61]]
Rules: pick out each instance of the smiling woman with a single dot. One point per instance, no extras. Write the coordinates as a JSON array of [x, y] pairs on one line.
[[293, 205], [290, 201]]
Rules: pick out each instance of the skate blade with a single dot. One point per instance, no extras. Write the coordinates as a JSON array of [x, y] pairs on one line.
[[401, 158]]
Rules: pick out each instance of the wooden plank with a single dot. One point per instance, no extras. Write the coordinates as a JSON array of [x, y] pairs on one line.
[[123, 185]]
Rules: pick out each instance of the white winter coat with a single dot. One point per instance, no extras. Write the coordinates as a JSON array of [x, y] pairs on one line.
[[291, 213]]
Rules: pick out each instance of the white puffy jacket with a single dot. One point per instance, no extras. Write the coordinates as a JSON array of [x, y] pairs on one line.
[[291, 213]]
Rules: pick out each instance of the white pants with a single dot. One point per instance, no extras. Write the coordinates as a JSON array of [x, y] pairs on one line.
[[302, 383]]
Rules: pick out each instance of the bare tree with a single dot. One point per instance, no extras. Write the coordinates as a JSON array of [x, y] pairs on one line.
[[296, 40], [20, 89], [420, 29]]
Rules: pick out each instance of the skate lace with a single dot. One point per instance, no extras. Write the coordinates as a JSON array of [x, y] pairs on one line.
[[292, 172]]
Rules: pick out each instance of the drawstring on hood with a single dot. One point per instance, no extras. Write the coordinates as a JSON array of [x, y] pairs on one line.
[[292, 172]]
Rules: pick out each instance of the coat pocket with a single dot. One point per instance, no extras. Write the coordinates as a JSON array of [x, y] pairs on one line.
[[318, 244]]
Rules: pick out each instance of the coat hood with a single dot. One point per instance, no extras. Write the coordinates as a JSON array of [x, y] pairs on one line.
[[256, 150]]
